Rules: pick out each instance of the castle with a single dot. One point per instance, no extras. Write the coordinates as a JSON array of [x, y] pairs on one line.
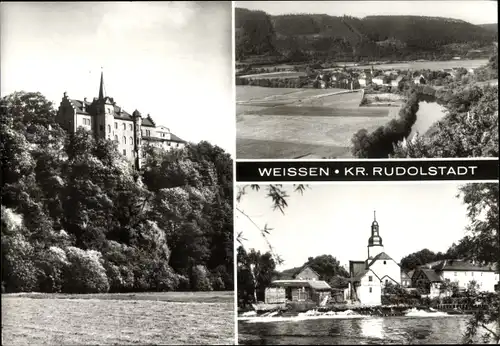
[[105, 119]]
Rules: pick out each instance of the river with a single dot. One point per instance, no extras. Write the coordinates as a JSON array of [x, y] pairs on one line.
[[429, 112], [365, 331]]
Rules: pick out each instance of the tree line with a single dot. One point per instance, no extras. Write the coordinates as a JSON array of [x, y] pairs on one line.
[[77, 218], [302, 37]]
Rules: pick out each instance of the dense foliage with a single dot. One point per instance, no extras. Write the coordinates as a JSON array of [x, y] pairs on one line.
[[76, 217], [300, 37], [469, 129]]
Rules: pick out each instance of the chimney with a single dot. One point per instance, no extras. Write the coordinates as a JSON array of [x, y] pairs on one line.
[[84, 104]]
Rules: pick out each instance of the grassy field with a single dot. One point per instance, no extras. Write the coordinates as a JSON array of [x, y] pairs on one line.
[[111, 319], [271, 75], [291, 123]]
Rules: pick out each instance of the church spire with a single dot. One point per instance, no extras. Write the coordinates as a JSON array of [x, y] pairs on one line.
[[101, 86], [374, 216]]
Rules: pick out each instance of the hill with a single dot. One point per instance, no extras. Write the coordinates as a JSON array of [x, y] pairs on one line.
[[490, 27], [296, 37]]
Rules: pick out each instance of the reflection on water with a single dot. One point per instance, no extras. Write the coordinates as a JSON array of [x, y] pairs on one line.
[[370, 330], [428, 114]]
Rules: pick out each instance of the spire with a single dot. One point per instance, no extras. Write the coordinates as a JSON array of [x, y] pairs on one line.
[[374, 216], [101, 87]]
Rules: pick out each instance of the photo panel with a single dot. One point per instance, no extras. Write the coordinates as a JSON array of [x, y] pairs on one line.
[[117, 147], [366, 79], [367, 263]]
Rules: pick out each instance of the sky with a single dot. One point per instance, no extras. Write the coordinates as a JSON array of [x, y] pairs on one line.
[[335, 219], [172, 60], [475, 12]]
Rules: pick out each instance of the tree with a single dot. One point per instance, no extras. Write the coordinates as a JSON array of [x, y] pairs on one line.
[[327, 267], [482, 209]]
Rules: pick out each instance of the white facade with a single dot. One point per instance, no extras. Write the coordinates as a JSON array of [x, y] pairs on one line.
[[369, 292], [362, 82], [387, 270], [486, 280], [378, 81]]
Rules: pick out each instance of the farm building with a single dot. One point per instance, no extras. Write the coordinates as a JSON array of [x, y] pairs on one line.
[[430, 276], [307, 273], [302, 290], [419, 80]]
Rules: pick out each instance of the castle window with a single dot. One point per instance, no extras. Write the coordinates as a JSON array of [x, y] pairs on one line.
[[370, 290], [116, 125], [472, 273], [116, 139], [130, 127], [125, 152], [124, 140], [124, 126], [370, 278], [131, 141], [168, 143], [455, 273], [385, 262], [148, 133], [109, 128]]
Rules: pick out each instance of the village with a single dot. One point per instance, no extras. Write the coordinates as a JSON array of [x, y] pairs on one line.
[[379, 285]]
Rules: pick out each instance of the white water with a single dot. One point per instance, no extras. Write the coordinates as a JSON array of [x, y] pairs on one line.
[[316, 315], [421, 313]]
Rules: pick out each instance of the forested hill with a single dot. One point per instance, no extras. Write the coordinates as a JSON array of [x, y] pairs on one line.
[[76, 218], [373, 37], [490, 27]]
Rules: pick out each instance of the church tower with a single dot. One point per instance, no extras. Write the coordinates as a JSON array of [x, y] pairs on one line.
[[375, 241], [105, 110]]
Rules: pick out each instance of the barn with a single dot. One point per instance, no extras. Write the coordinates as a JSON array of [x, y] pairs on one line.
[[315, 291]]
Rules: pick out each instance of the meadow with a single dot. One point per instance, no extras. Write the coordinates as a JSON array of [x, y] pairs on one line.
[[111, 319], [292, 123]]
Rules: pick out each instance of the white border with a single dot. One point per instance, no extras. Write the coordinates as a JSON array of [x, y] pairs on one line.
[[233, 101], [369, 160]]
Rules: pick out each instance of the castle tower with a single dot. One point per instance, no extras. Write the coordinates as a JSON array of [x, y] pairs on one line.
[[105, 113], [137, 139], [375, 241]]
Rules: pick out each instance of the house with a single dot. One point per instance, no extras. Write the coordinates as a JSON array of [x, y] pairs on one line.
[[307, 273], [103, 117], [379, 80], [362, 82], [461, 272], [369, 277], [396, 82], [405, 279], [315, 291], [366, 288], [426, 280], [419, 80]]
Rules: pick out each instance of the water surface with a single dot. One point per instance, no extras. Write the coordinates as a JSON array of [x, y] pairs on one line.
[[365, 331]]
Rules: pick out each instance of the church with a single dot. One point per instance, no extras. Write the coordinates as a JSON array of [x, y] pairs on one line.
[[368, 277], [105, 119]]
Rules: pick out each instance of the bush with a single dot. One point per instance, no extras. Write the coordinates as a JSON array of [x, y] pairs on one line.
[[52, 265], [200, 279], [85, 272], [18, 269]]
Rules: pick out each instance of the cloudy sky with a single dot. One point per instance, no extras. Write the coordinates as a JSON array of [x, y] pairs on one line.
[[172, 60], [336, 220], [475, 12]]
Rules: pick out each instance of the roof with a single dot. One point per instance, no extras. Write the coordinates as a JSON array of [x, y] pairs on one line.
[[303, 268], [314, 284], [380, 256], [119, 113], [459, 265], [360, 275], [405, 275], [431, 275], [174, 138]]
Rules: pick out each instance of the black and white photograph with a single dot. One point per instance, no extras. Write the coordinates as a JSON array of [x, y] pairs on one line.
[[368, 263], [117, 139], [366, 79]]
